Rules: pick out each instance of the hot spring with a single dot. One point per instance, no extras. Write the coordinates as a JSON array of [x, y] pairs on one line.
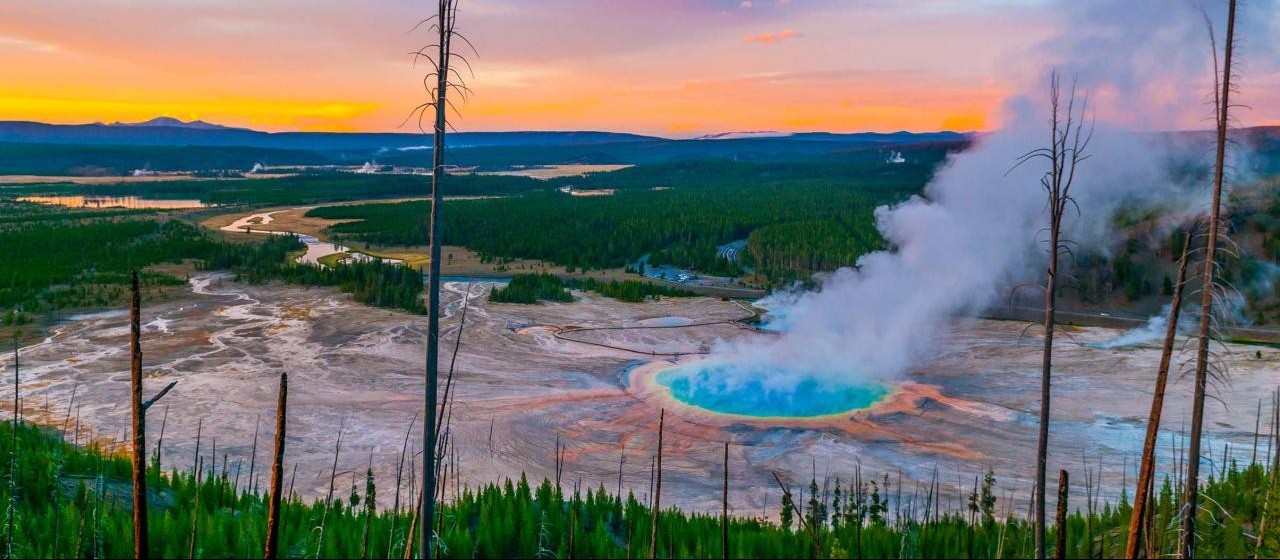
[[761, 392]]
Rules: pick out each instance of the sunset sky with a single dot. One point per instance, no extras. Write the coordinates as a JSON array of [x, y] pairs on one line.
[[666, 67]]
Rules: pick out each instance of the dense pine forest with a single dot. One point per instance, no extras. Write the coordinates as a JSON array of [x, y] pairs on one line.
[[61, 264], [797, 220], [371, 282], [632, 291], [73, 502], [794, 250], [81, 260], [677, 214], [530, 288]]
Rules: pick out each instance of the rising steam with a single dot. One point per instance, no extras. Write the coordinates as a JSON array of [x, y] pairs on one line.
[[975, 232], [1155, 330]]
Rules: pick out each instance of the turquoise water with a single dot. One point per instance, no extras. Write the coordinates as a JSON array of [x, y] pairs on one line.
[[728, 389]]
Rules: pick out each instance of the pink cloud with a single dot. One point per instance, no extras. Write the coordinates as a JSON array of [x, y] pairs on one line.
[[771, 37]]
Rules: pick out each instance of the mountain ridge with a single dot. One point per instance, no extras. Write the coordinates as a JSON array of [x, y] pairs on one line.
[[170, 131], [163, 121], [165, 131]]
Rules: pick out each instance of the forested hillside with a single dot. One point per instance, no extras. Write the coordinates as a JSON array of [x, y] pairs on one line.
[[1137, 267]]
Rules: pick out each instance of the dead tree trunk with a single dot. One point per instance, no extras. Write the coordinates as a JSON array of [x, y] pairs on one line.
[[1187, 541], [293, 476], [369, 501], [1257, 425], [395, 505], [1275, 432], [164, 420], [195, 461], [414, 525], [1060, 551], [1271, 471], [573, 521], [657, 489], [974, 505], [328, 499], [140, 548], [1147, 469], [1069, 140], [253, 459], [724, 503], [788, 502], [277, 471], [13, 455], [195, 512], [446, 16], [622, 457]]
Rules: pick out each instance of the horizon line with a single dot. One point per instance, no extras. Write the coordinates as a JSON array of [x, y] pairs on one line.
[[699, 135]]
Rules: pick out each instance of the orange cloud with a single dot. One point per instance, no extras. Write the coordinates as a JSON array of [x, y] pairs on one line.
[[770, 37]]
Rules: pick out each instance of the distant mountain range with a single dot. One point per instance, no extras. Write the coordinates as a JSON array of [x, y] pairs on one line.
[[168, 131], [170, 121], [168, 144]]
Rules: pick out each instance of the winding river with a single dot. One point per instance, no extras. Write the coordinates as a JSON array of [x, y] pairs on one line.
[[316, 247]]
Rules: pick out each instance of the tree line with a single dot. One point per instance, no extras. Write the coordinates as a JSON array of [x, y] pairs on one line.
[[74, 504], [307, 188], [371, 282], [680, 226], [531, 288], [70, 264]]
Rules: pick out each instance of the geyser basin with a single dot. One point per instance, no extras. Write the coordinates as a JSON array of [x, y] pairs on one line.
[[761, 392]]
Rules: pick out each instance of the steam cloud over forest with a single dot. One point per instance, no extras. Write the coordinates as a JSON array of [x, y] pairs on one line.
[[977, 230]]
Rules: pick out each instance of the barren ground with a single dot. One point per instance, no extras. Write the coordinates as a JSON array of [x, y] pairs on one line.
[[970, 405]]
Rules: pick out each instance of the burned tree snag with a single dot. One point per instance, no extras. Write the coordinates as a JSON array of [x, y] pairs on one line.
[[140, 547], [277, 471]]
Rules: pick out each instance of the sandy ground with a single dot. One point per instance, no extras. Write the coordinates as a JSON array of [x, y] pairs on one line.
[[970, 405]]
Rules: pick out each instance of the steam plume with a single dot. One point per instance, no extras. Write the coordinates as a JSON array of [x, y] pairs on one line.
[[975, 231]]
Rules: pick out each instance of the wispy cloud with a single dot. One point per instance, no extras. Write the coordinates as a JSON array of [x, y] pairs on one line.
[[771, 37], [27, 45], [657, 66]]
